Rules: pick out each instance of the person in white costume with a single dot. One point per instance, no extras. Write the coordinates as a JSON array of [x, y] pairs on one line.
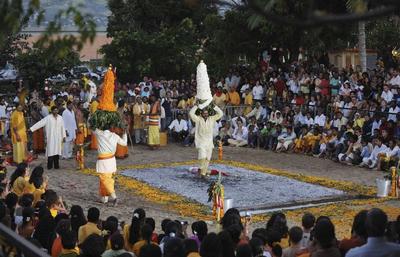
[[68, 116], [55, 136], [106, 164], [204, 123]]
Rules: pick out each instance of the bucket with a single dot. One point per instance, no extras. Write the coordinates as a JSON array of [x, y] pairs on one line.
[[228, 204], [383, 187]]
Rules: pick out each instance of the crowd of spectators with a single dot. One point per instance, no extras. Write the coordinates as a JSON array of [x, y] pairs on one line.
[[30, 208]]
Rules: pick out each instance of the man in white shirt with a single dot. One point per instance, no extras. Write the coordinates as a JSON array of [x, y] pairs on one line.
[[387, 95], [178, 128], [235, 120], [70, 126], [285, 140], [258, 92], [239, 136], [256, 112], [393, 110], [320, 119], [372, 160], [292, 84]]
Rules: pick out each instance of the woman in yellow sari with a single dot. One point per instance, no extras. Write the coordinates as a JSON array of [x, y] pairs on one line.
[[37, 184], [19, 178]]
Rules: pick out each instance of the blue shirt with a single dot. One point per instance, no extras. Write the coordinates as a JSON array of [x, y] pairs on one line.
[[375, 247]]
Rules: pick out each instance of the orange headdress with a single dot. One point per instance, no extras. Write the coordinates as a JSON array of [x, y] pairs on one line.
[[107, 94]]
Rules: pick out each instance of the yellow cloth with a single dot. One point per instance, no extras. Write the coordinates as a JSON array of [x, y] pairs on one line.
[[194, 254], [69, 252], [93, 106], [19, 152], [86, 230], [37, 195], [128, 246], [233, 98], [106, 184], [19, 185], [138, 245], [53, 212], [248, 100], [138, 110], [219, 100], [182, 104], [359, 122], [190, 102], [154, 135]]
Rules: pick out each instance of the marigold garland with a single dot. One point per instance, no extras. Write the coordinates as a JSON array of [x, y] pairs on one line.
[[342, 213]]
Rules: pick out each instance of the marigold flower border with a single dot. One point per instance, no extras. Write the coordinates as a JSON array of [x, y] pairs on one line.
[[190, 208]]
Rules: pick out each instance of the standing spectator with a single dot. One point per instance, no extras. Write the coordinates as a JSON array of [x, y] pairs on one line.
[[55, 135], [258, 92], [70, 126], [18, 134]]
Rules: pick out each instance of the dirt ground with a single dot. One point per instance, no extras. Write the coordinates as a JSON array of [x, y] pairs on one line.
[[81, 189]]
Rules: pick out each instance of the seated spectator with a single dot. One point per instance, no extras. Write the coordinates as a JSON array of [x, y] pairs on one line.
[[372, 160], [376, 245], [92, 246], [285, 140], [325, 239], [295, 238], [69, 248], [146, 232], [239, 136], [91, 226], [358, 234], [117, 246], [179, 128], [150, 251]]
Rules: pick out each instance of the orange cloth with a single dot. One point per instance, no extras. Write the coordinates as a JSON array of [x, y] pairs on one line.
[[56, 248], [38, 140], [122, 151], [233, 98], [106, 184], [107, 94], [93, 142]]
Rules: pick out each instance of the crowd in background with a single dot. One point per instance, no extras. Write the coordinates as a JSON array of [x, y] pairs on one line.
[[30, 208]]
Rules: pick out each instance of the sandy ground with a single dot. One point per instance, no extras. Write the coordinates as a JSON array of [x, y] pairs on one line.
[[81, 189]]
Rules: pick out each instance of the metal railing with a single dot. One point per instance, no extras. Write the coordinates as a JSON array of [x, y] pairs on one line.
[[11, 244]]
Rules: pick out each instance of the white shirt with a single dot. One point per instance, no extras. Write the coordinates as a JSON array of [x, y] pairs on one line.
[[377, 150], [237, 135], [55, 133], [293, 86], [234, 122], [204, 128], [375, 125], [320, 120], [69, 124], [395, 81], [393, 110], [392, 152], [243, 90], [107, 141], [3, 109], [178, 126], [258, 92], [387, 96]]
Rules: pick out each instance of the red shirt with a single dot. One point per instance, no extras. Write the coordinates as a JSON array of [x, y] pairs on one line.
[[280, 87], [324, 87]]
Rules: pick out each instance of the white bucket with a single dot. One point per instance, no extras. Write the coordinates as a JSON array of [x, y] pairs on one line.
[[228, 204], [383, 187]]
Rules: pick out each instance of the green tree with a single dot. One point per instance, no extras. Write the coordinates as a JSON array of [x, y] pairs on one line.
[[155, 38]]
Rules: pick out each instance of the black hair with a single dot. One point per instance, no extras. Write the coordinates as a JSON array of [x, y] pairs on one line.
[[235, 231], [3, 210], [164, 223], [68, 240], [53, 108], [376, 223], [261, 233], [295, 234], [146, 232], [93, 215], [230, 219], [18, 172], [190, 246], [174, 248], [27, 214], [111, 224], [257, 246], [201, 230], [276, 250], [26, 200], [93, 246], [228, 247], [244, 250], [308, 220], [50, 197], [36, 177], [150, 250], [77, 217], [63, 226], [117, 241], [358, 226], [151, 222], [324, 233], [211, 246], [137, 221]]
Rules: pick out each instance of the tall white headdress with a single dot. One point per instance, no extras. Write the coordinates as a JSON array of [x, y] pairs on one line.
[[203, 85]]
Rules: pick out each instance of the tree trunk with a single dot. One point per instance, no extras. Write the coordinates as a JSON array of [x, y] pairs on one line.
[[362, 45]]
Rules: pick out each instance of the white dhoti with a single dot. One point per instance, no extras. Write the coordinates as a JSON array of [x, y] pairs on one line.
[[204, 156], [68, 147], [284, 145]]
